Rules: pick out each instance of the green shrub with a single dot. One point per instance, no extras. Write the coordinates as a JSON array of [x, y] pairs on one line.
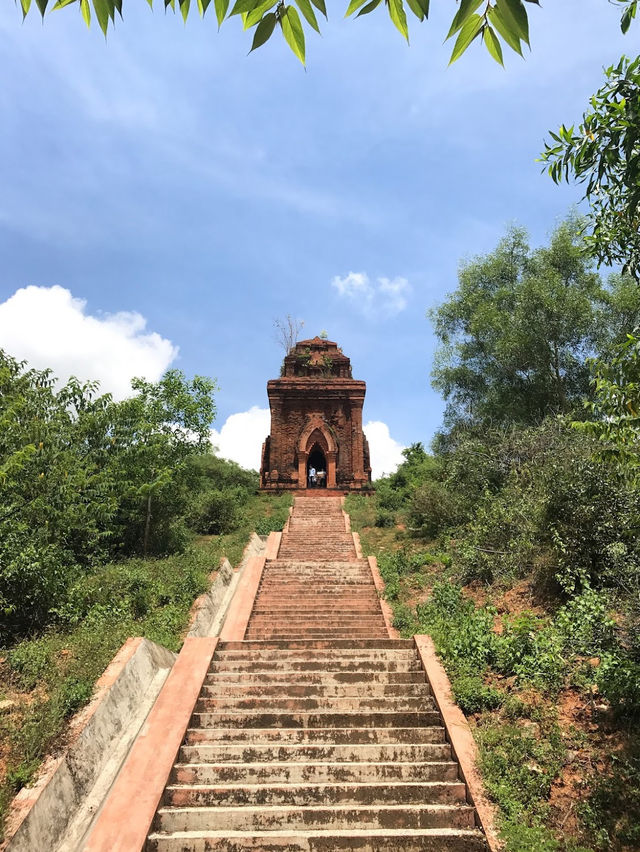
[[518, 767], [473, 695], [32, 659], [618, 679], [611, 814], [594, 515], [463, 634], [398, 564], [404, 618], [433, 508], [585, 624], [532, 649], [385, 518], [72, 694], [216, 512]]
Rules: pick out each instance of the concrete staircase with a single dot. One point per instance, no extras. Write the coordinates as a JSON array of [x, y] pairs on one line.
[[317, 732]]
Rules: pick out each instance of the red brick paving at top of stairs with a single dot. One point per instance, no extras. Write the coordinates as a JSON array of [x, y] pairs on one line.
[[317, 732]]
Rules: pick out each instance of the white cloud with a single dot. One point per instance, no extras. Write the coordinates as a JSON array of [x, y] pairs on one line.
[[382, 298], [386, 453], [240, 438], [48, 327]]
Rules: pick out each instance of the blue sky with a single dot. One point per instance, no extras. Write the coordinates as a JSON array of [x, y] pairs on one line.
[[165, 176]]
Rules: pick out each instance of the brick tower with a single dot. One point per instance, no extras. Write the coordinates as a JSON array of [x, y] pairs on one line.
[[316, 421]]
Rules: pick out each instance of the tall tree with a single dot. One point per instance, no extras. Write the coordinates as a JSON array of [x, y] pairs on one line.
[[516, 334], [83, 477]]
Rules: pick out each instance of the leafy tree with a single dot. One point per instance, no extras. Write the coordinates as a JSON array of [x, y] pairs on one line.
[[603, 154], [516, 334], [83, 477], [493, 22], [616, 406], [154, 434]]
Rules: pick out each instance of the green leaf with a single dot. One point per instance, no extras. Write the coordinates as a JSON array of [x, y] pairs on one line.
[[42, 5], [203, 5], [307, 10], [264, 30], [353, 5], [244, 6], [493, 45], [369, 7], [321, 7], [252, 18], [86, 11], [503, 28], [292, 31], [518, 14], [184, 8], [399, 17], [467, 7], [221, 7], [627, 16], [101, 8], [416, 8], [469, 31], [62, 3], [25, 7]]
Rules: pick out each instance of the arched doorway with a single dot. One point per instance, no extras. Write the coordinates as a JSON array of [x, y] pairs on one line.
[[316, 437], [318, 462]]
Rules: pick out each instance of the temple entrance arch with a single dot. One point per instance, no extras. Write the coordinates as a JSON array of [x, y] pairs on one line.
[[317, 442], [317, 461]]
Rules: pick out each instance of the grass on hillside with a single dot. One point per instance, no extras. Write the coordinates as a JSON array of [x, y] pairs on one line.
[[562, 766], [46, 678]]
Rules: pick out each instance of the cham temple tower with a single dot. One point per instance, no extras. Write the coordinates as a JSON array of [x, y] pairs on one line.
[[316, 422]]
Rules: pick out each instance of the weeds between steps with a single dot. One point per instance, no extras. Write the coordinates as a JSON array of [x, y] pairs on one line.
[[545, 687]]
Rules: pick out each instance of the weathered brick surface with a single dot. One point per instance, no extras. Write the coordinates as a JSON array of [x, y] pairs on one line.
[[316, 407]]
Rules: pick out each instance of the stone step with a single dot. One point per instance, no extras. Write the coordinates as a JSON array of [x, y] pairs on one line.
[[192, 795], [423, 738], [315, 773], [364, 618], [339, 586], [385, 644], [355, 678], [320, 816], [326, 565], [305, 605], [353, 840], [205, 752], [358, 621], [319, 719], [262, 634], [314, 666], [267, 634], [255, 652], [317, 691], [324, 704]]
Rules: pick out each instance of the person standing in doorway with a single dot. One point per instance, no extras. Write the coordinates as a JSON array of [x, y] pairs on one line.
[[312, 477]]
